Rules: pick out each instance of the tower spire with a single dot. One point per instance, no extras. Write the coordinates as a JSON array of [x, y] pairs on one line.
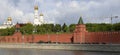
[[80, 21]]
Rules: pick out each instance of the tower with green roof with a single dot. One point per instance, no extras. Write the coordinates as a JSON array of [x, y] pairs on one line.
[[80, 21], [79, 32]]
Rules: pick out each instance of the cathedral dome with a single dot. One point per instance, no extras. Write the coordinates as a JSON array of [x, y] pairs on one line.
[[9, 19], [36, 7], [41, 14]]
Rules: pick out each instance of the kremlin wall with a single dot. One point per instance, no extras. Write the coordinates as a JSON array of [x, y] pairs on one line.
[[80, 35]]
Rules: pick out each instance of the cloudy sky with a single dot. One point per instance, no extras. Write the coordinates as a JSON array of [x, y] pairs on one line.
[[61, 11]]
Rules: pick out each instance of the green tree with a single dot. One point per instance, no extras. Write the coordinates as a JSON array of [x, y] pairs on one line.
[[27, 29], [94, 27], [72, 27], [116, 27], [57, 28], [7, 31], [65, 28]]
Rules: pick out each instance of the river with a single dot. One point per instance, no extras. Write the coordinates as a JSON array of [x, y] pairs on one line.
[[51, 52]]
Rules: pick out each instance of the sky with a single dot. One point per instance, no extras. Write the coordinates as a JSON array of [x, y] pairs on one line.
[[61, 11]]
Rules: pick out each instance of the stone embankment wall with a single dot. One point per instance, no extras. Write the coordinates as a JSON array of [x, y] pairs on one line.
[[80, 47]]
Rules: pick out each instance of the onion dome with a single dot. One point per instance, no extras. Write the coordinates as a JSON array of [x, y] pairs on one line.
[[9, 19], [41, 14], [36, 7]]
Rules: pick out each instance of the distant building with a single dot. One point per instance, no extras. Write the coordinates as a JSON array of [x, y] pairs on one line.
[[38, 19], [7, 24]]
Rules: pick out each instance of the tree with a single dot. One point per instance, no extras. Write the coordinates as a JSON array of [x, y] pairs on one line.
[[116, 27], [65, 28], [44, 28], [7, 31], [57, 28], [71, 27], [94, 27], [27, 29]]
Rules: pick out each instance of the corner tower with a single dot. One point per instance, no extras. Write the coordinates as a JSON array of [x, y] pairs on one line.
[[79, 32]]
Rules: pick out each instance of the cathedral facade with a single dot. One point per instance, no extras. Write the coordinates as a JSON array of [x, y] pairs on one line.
[[7, 24]]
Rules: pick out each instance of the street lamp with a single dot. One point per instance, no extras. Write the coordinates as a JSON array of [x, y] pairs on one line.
[[113, 17]]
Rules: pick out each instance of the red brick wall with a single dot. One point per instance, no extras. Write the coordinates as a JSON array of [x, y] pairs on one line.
[[103, 37], [19, 38], [80, 35], [53, 38]]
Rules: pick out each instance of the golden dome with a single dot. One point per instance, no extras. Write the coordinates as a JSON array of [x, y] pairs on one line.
[[36, 7], [9, 19], [41, 14]]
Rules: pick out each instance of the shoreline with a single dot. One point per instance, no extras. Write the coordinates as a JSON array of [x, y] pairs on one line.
[[71, 47]]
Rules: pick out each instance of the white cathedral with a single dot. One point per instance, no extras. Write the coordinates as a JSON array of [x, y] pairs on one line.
[[38, 19], [7, 24]]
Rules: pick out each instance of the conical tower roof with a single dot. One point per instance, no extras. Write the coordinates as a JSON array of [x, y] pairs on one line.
[[80, 21]]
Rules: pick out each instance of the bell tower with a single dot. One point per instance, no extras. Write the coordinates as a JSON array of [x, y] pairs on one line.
[[38, 19]]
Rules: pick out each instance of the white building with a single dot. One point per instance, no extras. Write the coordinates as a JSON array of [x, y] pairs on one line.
[[38, 19], [7, 24]]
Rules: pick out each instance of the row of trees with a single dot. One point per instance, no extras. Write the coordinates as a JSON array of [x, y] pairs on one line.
[[102, 27], [7, 31], [51, 28], [47, 28], [57, 28]]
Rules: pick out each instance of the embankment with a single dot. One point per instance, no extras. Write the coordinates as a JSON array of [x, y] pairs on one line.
[[80, 47]]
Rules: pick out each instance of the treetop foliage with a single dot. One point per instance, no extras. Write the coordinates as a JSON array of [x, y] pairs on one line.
[[57, 28]]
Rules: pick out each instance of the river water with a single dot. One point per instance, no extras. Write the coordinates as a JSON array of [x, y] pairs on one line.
[[51, 52]]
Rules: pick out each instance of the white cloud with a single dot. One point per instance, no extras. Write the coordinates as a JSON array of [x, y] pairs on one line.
[[17, 13], [74, 4], [61, 11], [59, 4]]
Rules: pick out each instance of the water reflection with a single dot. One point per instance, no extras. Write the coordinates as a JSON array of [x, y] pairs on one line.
[[51, 52]]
